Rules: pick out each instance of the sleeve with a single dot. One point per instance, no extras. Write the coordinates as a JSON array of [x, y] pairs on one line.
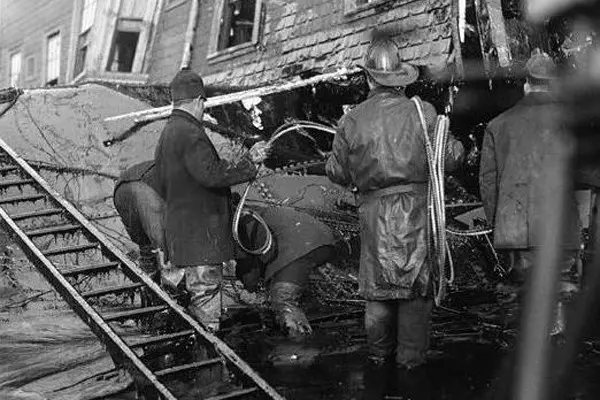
[[337, 164], [488, 174], [211, 171], [454, 154]]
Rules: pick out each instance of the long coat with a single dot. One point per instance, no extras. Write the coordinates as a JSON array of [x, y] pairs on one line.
[[195, 184], [515, 146], [379, 149]]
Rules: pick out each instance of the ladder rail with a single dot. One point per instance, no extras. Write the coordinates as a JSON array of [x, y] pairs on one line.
[[78, 303], [133, 272]]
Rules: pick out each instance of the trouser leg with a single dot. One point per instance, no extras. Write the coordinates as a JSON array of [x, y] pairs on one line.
[[286, 287], [414, 322], [380, 326], [204, 285]]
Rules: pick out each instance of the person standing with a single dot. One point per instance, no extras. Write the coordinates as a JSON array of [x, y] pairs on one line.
[[195, 185], [516, 145], [380, 150]]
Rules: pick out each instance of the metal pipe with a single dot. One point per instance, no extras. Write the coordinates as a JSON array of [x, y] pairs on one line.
[[189, 34]]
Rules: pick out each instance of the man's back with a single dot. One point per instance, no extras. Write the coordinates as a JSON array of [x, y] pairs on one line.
[[515, 148]]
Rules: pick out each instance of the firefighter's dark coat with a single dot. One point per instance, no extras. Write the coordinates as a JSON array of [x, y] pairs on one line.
[[515, 146], [379, 148], [195, 184]]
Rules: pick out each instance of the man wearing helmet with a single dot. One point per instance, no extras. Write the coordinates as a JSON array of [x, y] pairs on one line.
[[516, 145], [379, 149]]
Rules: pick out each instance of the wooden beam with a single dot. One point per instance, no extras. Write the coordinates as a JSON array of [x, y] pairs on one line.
[[160, 112]]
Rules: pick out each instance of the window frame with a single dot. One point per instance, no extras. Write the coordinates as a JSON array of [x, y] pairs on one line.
[[174, 4], [216, 55], [12, 54], [56, 33]]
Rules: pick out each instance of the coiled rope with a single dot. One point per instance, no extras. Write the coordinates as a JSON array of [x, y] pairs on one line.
[[438, 243], [239, 211]]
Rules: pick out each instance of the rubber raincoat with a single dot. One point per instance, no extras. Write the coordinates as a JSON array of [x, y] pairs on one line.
[[379, 149]]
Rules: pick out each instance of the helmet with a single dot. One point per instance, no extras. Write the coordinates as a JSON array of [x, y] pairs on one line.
[[383, 63]]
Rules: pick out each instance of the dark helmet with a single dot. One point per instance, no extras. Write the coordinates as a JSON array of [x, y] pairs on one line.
[[384, 65]]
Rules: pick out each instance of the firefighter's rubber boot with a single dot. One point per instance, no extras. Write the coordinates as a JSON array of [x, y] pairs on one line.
[[285, 302]]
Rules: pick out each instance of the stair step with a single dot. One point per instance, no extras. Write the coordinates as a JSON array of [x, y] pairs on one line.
[[16, 182], [96, 268], [17, 199], [162, 338], [53, 230], [70, 249], [188, 367], [233, 395], [38, 213], [138, 312], [112, 290]]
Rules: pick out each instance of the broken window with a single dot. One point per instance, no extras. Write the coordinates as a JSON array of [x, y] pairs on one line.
[[88, 13], [15, 69], [53, 58], [238, 23], [122, 53]]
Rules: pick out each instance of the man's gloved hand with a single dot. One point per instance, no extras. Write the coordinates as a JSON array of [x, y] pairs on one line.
[[259, 152]]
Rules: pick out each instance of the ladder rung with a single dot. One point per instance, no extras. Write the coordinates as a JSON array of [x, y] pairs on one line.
[[8, 168], [70, 249], [16, 199], [53, 230], [161, 338], [112, 290], [233, 395], [16, 182], [39, 213], [97, 268], [188, 367], [138, 312]]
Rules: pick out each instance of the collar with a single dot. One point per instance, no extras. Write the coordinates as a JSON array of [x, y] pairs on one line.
[[182, 113], [385, 89], [538, 98]]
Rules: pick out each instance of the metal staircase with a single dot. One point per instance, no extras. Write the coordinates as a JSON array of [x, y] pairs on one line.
[[70, 252]]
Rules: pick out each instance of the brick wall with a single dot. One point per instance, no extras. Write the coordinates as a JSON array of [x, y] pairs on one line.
[[24, 26], [167, 51], [316, 35]]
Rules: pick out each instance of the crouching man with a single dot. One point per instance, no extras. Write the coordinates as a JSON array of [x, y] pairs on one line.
[[300, 243], [140, 207]]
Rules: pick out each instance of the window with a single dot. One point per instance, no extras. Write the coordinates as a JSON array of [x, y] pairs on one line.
[[236, 23], [87, 15], [122, 53], [53, 58], [15, 69], [353, 6], [30, 63]]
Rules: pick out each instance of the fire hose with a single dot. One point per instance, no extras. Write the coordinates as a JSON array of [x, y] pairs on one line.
[[438, 243], [239, 211]]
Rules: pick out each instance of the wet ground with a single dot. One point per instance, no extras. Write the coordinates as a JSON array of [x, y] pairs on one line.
[[47, 353]]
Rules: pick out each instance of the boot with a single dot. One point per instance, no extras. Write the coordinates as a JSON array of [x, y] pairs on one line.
[[285, 302]]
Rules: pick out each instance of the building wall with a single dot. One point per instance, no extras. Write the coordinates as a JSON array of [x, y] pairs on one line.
[[317, 35], [165, 58], [25, 25]]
